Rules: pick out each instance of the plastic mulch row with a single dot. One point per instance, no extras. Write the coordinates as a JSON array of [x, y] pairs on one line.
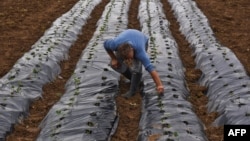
[[223, 74], [169, 116], [87, 110], [23, 83]]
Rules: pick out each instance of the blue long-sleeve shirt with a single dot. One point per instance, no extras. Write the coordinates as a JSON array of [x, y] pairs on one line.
[[138, 42]]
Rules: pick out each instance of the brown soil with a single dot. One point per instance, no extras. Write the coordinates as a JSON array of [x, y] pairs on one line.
[[22, 23]]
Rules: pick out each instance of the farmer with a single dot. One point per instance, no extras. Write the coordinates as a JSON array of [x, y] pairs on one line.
[[128, 53]]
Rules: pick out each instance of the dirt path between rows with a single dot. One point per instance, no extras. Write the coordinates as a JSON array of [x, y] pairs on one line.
[[22, 23]]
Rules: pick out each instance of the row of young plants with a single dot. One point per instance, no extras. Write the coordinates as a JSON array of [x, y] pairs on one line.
[[169, 116], [87, 109], [23, 83], [224, 76]]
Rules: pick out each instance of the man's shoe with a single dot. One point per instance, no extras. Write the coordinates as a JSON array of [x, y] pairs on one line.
[[128, 94], [135, 82]]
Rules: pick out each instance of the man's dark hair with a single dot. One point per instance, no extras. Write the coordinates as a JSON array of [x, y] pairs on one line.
[[123, 50]]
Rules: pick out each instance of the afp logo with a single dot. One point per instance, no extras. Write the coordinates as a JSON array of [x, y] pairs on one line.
[[239, 132]]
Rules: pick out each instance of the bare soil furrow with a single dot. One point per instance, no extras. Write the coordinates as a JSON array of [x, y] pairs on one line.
[[129, 109], [22, 23]]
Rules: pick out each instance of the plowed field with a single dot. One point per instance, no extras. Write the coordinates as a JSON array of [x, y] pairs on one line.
[[23, 22]]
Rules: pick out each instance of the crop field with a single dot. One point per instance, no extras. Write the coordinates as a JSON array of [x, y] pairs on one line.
[[56, 83]]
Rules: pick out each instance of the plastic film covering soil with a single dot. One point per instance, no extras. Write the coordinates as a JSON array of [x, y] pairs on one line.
[[24, 82], [224, 76], [87, 110], [169, 116]]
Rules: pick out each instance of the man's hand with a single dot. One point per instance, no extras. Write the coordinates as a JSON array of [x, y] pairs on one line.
[[114, 63], [160, 89], [157, 80]]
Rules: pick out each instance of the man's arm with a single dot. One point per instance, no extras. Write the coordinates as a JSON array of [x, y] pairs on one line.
[[143, 57], [108, 44], [111, 54], [114, 61], [157, 80]]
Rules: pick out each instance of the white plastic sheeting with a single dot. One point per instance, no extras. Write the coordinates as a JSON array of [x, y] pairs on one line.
[[223, 74], [169, 116], [24, 82], [87, 110]]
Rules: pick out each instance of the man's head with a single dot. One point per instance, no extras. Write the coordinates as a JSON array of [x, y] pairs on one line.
[[126, 51]]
